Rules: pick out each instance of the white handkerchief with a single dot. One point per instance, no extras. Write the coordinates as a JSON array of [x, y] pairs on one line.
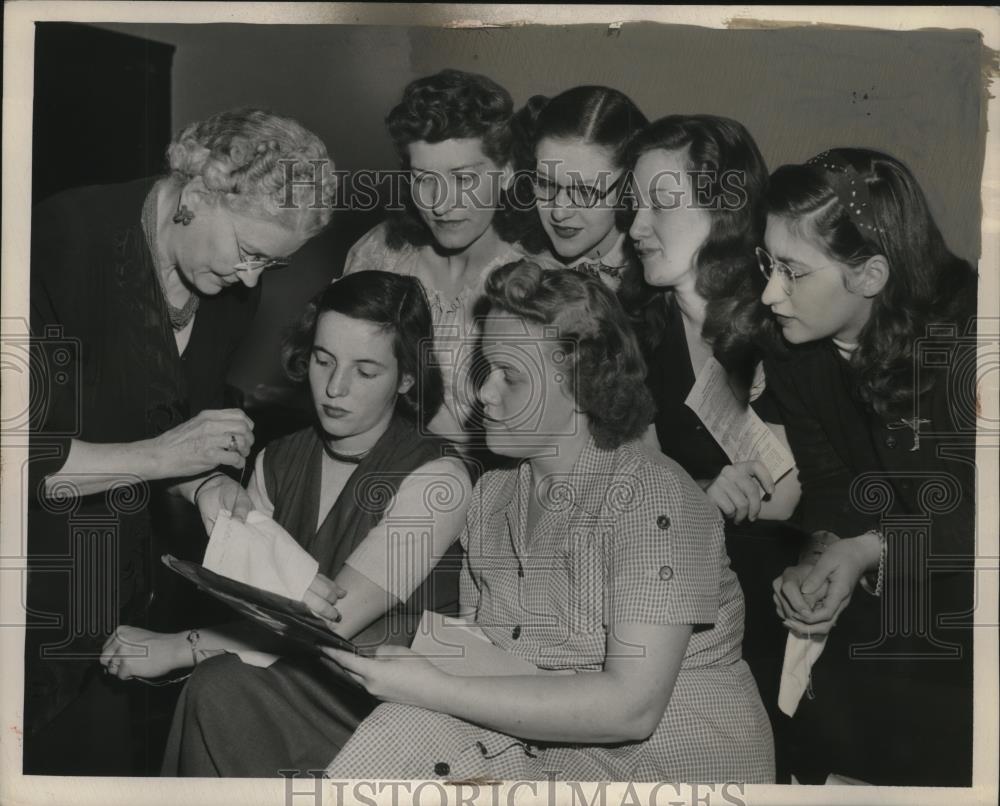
[[259, 553], [800, 655]]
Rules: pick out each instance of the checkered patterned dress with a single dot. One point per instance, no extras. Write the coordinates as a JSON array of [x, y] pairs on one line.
[[633, 540]]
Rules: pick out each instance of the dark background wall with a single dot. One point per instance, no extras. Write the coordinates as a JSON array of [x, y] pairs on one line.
[[917, 95]]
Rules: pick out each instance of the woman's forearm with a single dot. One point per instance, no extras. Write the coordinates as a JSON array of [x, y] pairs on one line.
[[588, 707], [93, 467]]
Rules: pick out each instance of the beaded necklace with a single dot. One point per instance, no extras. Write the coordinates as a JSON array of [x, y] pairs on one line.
[[180, 318]]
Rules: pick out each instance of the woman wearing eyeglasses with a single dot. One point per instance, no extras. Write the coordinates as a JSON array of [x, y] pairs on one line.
[[877, 391], [143, 290], [574, 154], [373, 500], [699, 183], [452, 132]]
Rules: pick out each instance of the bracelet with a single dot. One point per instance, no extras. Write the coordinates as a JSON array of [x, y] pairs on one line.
[[193, 638], [204, 481], [880, 576]]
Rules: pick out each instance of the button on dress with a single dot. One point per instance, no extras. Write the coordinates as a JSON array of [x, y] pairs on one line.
[[601, 557]]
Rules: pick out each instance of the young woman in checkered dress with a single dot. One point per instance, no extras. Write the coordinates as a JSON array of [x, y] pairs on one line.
[[592, 558]]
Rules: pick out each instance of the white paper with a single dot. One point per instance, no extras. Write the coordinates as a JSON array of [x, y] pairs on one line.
[[737, 428], [800, 656]]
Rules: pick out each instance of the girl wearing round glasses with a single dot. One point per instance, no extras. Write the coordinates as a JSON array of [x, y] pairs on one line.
[[452, 132], [149, 287], [877, 391], [594, 558], [574, 154]]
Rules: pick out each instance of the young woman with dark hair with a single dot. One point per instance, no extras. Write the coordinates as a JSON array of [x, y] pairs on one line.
[[699, 191], [452, 132], [594, 557], [699, 187], [571, 156], [877, 391], [350, 490]]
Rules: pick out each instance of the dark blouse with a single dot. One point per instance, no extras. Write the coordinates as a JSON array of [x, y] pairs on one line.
[[892, 691], [680, 432], [105, 368]]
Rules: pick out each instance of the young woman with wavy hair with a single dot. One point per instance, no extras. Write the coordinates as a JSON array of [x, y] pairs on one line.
[[593, 557], [452, 133], [699, 185], [877, 391]]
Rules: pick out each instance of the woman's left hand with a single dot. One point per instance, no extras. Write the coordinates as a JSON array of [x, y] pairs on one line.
[[135, 652], [395, 674], [839, 568]]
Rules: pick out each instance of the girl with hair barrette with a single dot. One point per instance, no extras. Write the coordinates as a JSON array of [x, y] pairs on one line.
[[876, 315]]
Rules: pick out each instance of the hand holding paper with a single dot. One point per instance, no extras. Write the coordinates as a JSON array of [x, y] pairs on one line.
[[738, 490]]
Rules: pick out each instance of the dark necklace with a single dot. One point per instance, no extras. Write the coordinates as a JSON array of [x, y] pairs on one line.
[[180, 318], [348, 458]]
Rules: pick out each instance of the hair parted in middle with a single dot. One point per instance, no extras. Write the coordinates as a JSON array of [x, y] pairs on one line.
[[399, 305], [599, 116], [927, 282], [606, 367]]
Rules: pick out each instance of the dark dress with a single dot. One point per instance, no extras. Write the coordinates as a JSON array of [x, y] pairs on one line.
[[893, 687], [105, 368], [758, 551], [236, 720]]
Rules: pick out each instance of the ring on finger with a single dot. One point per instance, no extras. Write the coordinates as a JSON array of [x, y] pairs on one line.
[[232, 443]]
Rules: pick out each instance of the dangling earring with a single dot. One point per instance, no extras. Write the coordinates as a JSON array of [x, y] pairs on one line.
[[184, 214]]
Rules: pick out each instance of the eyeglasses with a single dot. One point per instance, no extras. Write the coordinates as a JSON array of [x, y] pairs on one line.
[[768, 265], [579, 195], [256, 263]]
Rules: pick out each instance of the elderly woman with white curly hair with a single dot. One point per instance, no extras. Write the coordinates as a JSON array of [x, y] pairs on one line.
[[146, 288]]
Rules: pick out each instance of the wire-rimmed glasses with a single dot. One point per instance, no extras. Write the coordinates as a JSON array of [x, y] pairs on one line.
[[769, 264]]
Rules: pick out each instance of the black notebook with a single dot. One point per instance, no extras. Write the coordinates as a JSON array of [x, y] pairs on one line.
[[286, 617]]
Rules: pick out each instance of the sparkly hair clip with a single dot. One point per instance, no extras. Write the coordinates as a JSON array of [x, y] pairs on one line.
[[851, 189]]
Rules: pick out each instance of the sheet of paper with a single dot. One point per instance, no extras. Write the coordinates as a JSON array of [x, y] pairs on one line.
[[738, 429]]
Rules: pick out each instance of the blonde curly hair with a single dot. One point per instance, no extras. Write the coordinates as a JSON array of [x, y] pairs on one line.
[[261, 164]]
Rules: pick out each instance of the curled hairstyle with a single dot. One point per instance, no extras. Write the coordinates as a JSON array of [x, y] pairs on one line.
[[731, 184], [927, 283], [451, 105], [606, 367], [396, 303], [595, 115], [264, 165]]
